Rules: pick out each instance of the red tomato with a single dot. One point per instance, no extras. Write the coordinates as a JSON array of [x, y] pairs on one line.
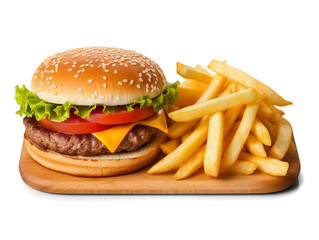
[[74, 125], [121, 116]]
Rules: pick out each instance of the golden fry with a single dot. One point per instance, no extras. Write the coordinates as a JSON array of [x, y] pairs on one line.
[[261, 132], [214, 144], [186, 135], [178, 129], [193, 83], [268, 165], [204, 70], [191, 165], [254, 146], [248, 81], [234, 148], [170, 145], [230, 118], [283, 140], [214, 105], [184, 151], [241, 167], [192, 73]]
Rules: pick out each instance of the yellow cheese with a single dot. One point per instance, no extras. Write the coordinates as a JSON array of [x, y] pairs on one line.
[[112, 137]]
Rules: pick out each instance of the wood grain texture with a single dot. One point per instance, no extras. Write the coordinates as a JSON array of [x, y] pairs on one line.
[[43, 179]]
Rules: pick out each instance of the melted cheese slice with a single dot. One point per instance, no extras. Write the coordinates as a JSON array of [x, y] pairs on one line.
[[112, 137]]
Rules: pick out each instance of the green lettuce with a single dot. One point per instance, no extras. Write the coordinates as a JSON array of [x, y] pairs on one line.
[[31, 105]]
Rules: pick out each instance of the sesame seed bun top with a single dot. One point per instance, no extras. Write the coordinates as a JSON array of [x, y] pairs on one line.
[[97, 75]]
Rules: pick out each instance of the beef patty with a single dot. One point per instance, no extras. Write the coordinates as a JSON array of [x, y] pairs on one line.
[[83, 144]]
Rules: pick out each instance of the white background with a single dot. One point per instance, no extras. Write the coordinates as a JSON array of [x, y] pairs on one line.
[[274, 41]]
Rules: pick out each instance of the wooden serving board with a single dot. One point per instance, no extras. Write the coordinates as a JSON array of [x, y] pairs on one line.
[[43, 179]]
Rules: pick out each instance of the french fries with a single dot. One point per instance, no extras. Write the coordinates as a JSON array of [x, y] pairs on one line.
[[246, 80], [226, 123], [183, 152], [255, 147], [242, 167], [178, 129], [170, 145], [283, 140], [268, 165], [215, 105], [230, 118], [191, 165], [214, 147], [234, 148], [261, 132], [192, 73]]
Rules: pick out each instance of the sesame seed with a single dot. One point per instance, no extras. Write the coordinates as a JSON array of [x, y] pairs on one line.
[[141, 79], [73, 65], [70, 69], [140, 75], [95, 92], [90, 80], [82, 65], [132, 82], [125, 65], [75, 75], [66, 63], [79, 71], [124, 80], [104, 77], [115, 71], [48, 82], [120, 83], [51, 71], [114, 64], [91, 65], [106, 70], [138, 86], [79, 89], [53, 85], [104, 85]]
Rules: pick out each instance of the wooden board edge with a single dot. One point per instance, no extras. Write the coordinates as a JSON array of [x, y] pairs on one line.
[[45, 186]]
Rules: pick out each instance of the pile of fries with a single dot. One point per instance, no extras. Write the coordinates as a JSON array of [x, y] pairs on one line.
[[227, 123]]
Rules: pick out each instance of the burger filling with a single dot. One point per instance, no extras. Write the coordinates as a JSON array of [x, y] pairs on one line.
[[96, 129], [83, 144]]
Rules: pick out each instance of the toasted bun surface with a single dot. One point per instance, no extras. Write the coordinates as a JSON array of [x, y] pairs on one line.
[[98, 166], [97, 75]]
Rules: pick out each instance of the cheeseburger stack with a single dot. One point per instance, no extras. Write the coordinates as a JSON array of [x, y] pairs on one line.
[[95, 111]]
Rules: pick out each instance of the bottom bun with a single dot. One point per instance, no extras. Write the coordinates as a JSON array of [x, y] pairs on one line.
[[97, 166]]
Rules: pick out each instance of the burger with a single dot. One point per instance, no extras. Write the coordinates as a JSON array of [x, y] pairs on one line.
[[95, 111]]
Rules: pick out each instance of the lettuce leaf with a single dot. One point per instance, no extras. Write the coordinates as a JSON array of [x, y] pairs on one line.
[[32, 105]]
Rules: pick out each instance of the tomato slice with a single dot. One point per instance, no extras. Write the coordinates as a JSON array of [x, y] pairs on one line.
[[120, 117], [74, 125]]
